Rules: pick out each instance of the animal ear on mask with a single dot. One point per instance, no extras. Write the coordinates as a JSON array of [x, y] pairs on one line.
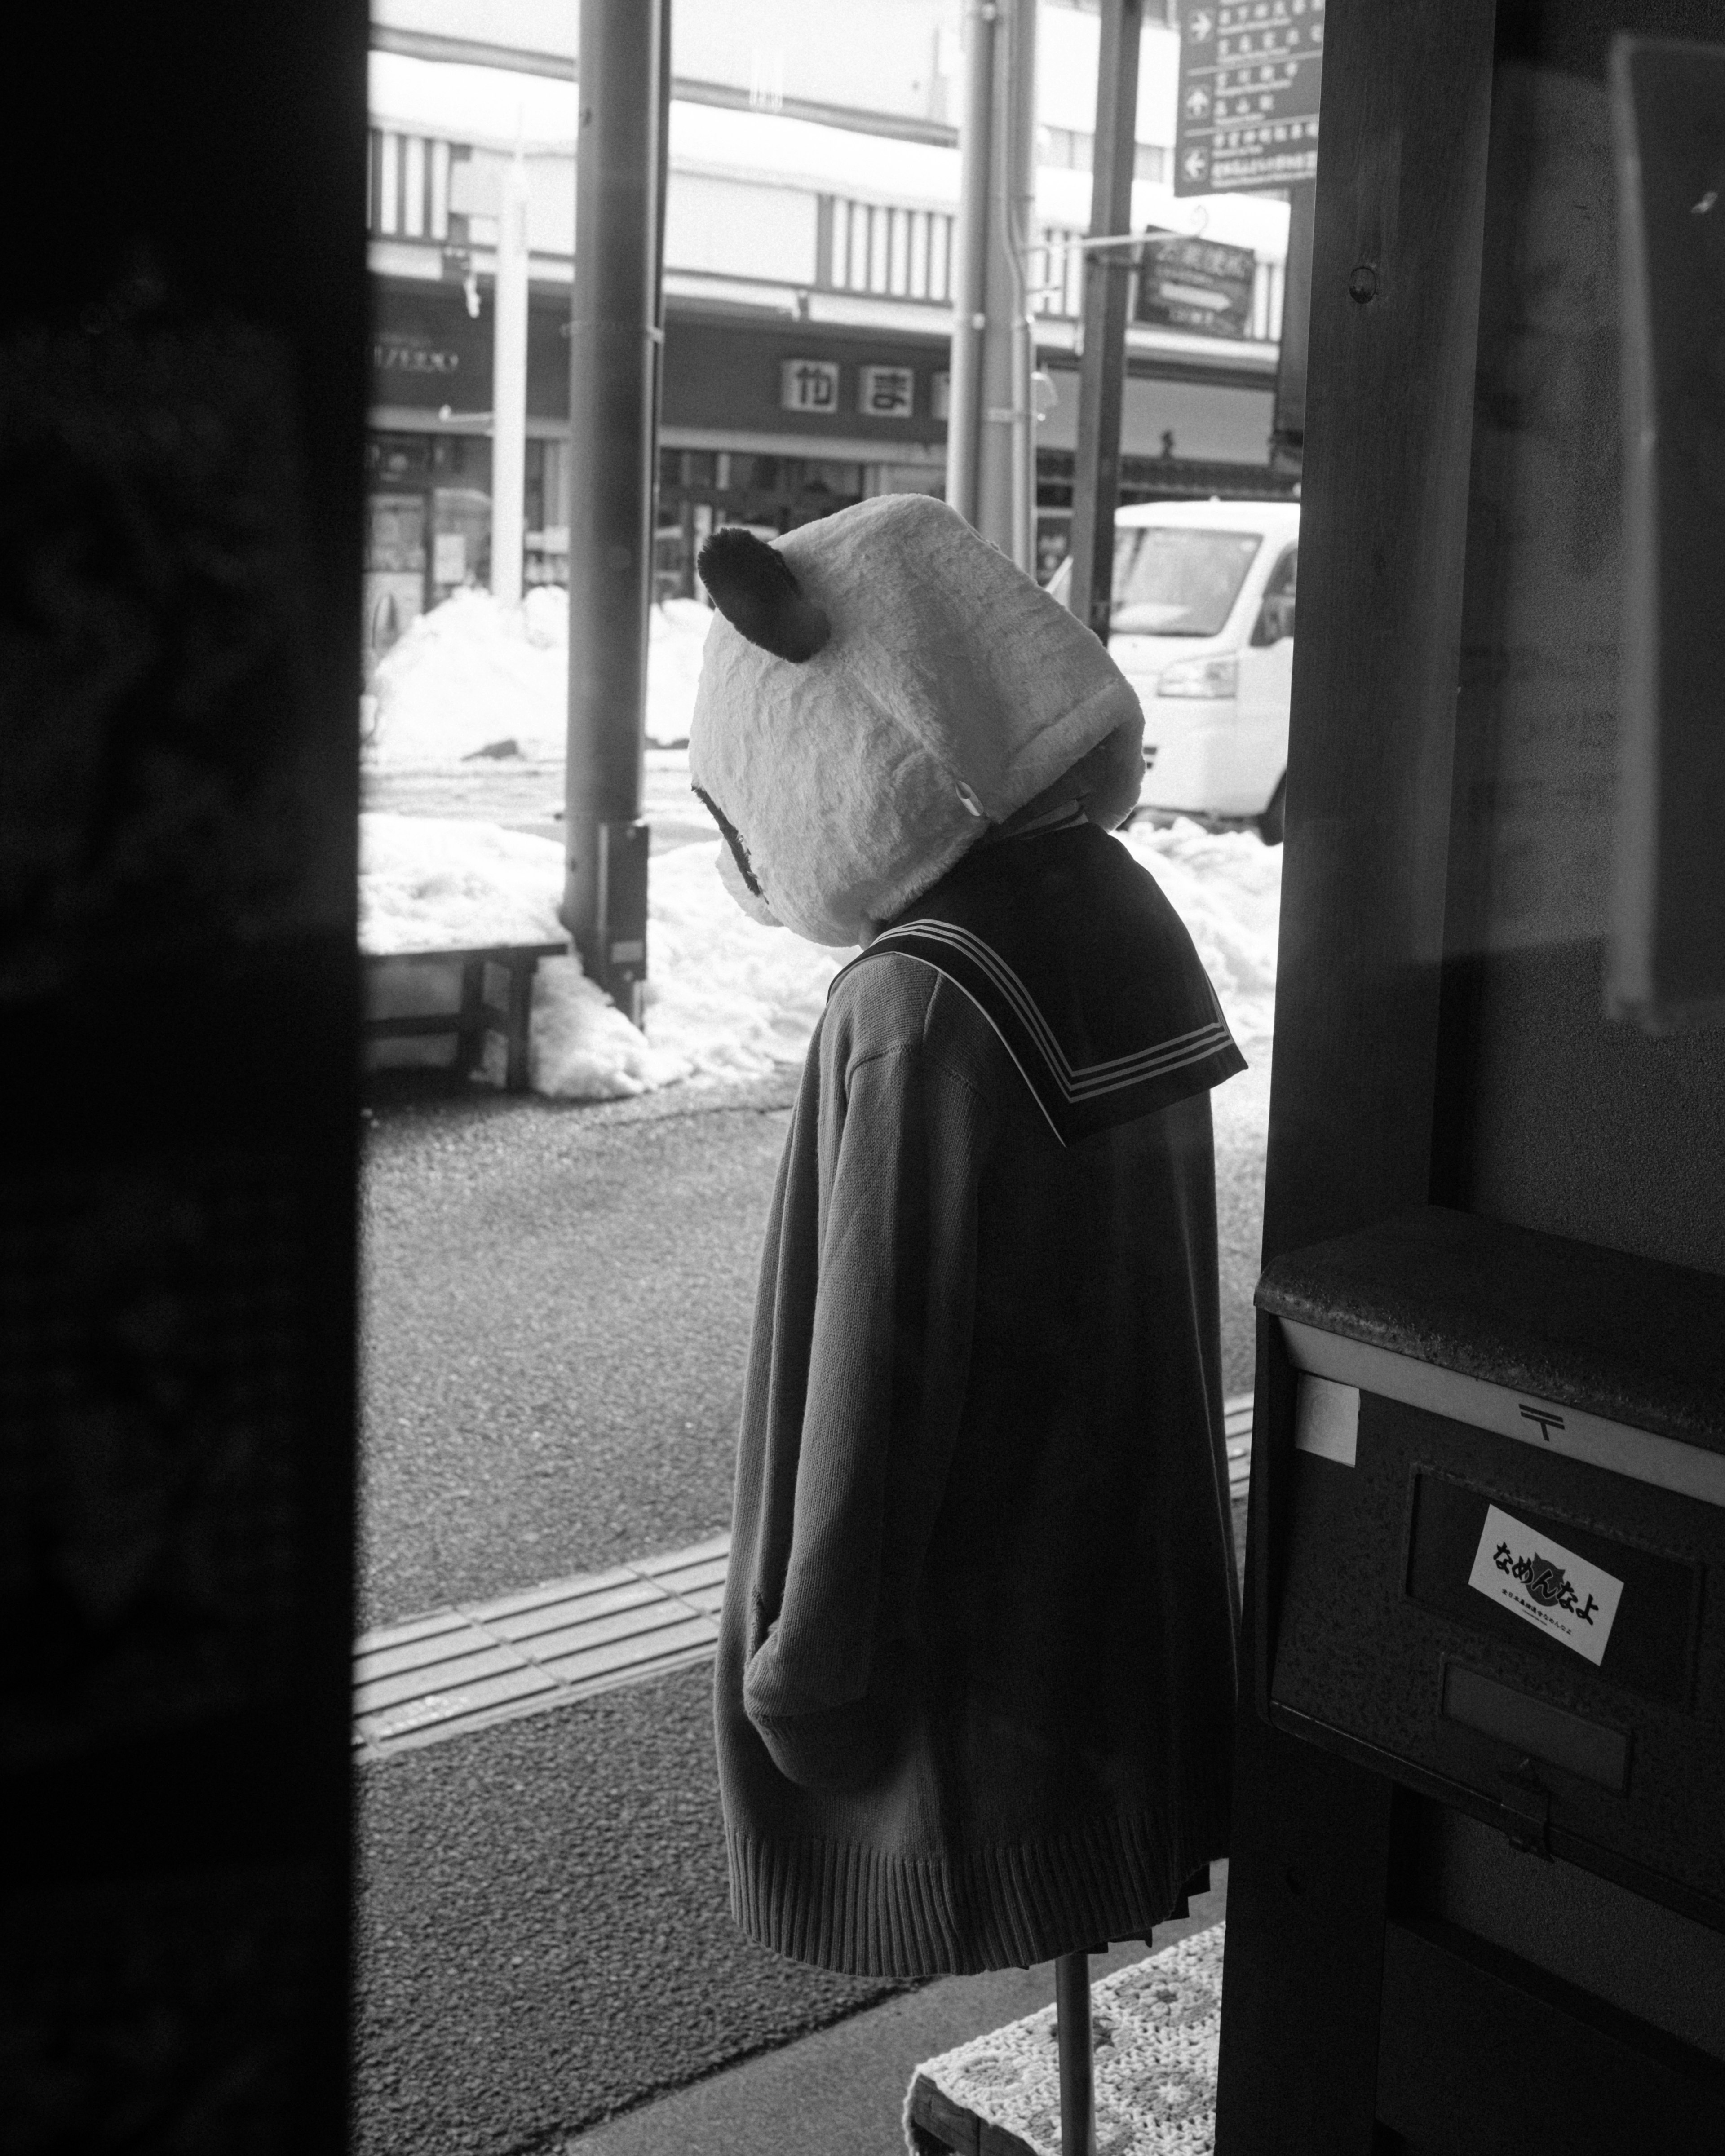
[[752, 586]]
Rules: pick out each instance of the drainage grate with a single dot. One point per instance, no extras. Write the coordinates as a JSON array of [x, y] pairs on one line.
[[460, 1669]]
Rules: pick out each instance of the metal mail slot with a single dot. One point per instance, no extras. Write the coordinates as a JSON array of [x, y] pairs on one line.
[[1534, 1728], [1500, 1598]]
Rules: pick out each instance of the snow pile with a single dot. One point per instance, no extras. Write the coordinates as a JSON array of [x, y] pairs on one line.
[[1226, 886], [472, 672], [725, 997], [677, 636], [734, 998], [431, 883]]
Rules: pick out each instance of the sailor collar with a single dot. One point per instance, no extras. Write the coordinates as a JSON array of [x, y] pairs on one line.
[[1073, 955]]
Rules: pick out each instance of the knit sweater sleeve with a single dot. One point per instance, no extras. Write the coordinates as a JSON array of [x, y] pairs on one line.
[[888, 1350]]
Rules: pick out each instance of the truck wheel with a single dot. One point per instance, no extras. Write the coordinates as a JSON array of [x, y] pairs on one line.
[[1271, 828]]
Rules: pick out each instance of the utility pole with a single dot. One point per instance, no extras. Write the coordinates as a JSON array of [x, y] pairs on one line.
[[991, 443], [1107, 284], [614, 335], [1006, 491], [509, 387], [970, 264]]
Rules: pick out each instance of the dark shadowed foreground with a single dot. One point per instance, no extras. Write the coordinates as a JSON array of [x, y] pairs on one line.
[[543, 1934]]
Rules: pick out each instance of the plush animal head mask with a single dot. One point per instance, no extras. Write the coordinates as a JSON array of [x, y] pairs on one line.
[[878, 688]]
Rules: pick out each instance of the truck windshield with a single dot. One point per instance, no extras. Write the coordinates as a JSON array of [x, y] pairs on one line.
[[1170, 580]]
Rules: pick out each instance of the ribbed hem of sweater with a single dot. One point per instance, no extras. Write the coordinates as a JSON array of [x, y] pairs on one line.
[[862, 1913]]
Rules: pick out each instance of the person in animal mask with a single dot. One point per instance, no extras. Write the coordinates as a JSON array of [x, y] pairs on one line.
[[976, 1678]]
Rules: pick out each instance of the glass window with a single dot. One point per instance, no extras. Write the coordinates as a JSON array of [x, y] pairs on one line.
[[1172, 580], [1282, 577]]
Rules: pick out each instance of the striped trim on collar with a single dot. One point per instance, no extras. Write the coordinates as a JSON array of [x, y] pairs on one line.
[[1075, 1100]]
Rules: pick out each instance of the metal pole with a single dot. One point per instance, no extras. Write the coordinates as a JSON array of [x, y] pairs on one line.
[[613, 338], [1077, 2062], [509, 387], [1006, 489], [1288, 439], [662, 184], [964, 395], [1107, 281]]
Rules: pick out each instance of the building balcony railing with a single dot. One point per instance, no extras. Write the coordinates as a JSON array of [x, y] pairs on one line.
[[879, 250], [408, 187], [882, 249]]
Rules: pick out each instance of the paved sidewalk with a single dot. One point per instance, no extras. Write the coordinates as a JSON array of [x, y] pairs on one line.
[[473, 1664], [841, 2091]]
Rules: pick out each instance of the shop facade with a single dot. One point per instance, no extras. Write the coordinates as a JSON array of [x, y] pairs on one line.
[[767, 419]]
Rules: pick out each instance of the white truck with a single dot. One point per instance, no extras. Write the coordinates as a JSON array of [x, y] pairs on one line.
[[1202, 624]]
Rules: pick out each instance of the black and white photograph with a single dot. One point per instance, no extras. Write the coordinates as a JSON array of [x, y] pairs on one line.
[[833, 1323]]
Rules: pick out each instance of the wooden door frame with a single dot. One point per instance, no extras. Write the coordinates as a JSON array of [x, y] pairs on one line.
[[1395, 284]]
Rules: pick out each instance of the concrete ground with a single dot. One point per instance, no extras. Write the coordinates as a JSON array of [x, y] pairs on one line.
[[545, 1956], [557, 1307], [543, 1933], [842, 2090]]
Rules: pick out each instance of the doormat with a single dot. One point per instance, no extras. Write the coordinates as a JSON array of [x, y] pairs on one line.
[[1155, 2029]]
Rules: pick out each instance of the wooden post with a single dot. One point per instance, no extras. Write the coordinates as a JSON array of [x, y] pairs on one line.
[[519, 1022], [470, 1035], [1107, 275], [1394, 310]]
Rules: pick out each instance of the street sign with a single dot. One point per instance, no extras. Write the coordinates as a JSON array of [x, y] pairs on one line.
[[1250, 75], [1190, 284]]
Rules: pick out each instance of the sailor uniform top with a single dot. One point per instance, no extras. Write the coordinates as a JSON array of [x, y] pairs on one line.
[[975, 1684]]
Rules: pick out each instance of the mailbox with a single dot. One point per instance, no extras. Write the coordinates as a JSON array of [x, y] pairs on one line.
[[1500, 1534]]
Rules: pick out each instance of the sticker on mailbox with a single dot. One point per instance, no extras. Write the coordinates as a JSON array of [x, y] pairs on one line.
[[1526, 1572]]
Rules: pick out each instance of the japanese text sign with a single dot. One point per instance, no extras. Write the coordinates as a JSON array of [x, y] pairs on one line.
[[886, 392], [809, 385], [1191, 284], [1250, 72]]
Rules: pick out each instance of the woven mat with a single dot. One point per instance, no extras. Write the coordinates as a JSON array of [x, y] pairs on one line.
[[1155, 2030]]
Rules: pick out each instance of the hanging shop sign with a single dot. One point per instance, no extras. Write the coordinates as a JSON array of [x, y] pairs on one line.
[[1250, 75], [786, 380], [400, 353], [429, 354], [1190, 284], [809, 385]]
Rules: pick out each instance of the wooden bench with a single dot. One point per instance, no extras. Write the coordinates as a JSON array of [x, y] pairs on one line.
[[496, 997]]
